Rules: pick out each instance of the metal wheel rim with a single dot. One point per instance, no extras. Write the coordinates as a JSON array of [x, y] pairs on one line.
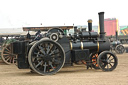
[[7, 56], [120, 49], [43, 61], [107, 62]]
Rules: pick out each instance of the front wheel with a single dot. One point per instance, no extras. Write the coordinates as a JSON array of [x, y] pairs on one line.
[[107, 61], [46, 57], [120, 49]]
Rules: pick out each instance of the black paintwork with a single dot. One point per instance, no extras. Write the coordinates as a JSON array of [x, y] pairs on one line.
[[77, 47]]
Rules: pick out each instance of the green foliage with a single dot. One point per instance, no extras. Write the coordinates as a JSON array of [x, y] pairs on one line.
[[7, 42]]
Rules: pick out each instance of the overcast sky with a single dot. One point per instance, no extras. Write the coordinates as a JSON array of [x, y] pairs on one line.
[[18, 13]]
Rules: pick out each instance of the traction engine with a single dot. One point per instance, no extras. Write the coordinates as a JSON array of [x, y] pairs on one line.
[[49, 54]]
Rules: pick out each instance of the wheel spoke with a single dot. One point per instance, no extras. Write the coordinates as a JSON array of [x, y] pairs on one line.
[[8, 58], [41, 50], [6, 52], [110, 64], [54, 49], [109, 56], [111, 59], [51, 47], [52, 52], [38, 55], [39, 64], [36, 61], [48, 49], [7, 49], [107, 66], [55, 54], [45, 67], [50, 63]]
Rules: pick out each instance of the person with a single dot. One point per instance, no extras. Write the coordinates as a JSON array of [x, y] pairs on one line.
[[28, 35], [7, 37], [1, 40], [78, 30], [38, 35]]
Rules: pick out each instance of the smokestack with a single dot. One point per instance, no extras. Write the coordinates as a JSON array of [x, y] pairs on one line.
[[75, 29], [90, 25], [116, 35], [101, 22]]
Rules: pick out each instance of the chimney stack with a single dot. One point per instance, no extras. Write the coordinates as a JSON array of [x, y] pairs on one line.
[[101, 22]]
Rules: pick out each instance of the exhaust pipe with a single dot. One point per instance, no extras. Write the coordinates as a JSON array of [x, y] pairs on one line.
[[116, 35], [101, 22], [89, 25], [75, 29]]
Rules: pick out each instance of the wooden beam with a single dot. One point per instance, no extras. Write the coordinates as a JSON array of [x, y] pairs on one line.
[[45, 28]]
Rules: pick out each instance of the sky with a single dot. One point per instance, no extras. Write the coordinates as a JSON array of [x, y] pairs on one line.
[[28, 13]]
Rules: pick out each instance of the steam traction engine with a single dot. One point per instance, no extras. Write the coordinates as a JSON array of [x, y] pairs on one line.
[[117, 46], [48, 55]]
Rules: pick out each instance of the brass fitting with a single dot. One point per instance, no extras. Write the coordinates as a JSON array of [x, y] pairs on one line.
[[89, 21]]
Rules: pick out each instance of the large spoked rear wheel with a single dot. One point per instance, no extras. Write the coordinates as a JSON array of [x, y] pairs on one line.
[[46, 57], [120, 49], [107, 61], [7, 56]]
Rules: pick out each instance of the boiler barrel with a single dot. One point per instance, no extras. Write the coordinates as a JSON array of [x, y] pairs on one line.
[[92, 46], [84, 45], [88, 35]]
